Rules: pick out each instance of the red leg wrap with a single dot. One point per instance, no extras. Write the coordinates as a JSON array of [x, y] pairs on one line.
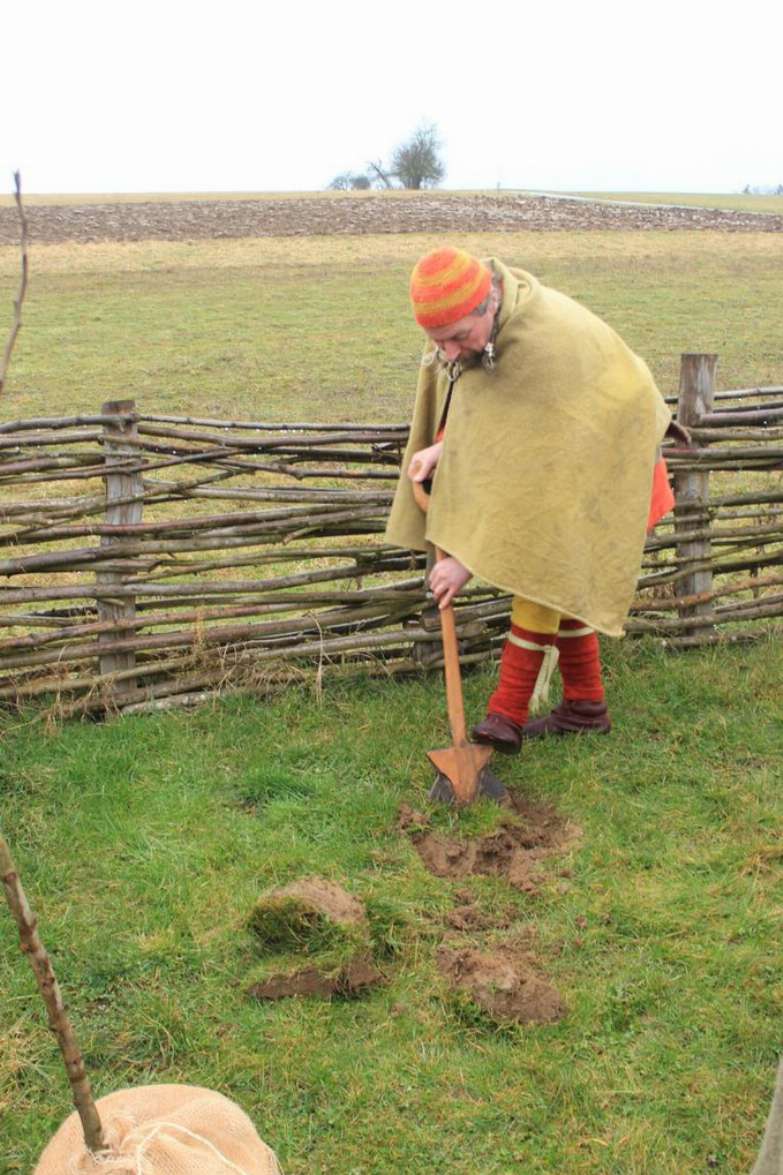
[[518, 672], [580, 665]]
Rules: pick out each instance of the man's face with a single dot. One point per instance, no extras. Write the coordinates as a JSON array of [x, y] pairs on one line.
[[465, 338]]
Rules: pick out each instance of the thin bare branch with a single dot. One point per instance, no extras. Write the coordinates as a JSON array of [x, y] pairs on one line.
[[18, 301], [59, 1021]]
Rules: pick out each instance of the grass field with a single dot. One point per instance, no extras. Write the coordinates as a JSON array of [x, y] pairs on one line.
[[144, 842], [736, 200], [283, 328]]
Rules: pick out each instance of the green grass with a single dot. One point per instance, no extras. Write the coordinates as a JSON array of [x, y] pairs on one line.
[[145, 842], [320, 327]]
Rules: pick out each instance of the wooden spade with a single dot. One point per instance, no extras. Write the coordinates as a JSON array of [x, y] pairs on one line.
[[462, 768]]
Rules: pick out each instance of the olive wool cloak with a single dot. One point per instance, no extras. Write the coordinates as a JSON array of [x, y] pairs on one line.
[[543, 487]]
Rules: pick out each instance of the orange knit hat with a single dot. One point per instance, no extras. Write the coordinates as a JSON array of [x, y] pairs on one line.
[[446, 285]]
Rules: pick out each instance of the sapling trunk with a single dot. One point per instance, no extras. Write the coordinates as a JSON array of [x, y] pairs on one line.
[[59, 1021]]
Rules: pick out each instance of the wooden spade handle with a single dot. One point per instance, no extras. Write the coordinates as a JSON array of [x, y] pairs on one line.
[[448, 632], [421, 496]]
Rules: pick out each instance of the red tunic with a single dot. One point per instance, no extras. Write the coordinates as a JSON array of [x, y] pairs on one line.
[[662, 499]]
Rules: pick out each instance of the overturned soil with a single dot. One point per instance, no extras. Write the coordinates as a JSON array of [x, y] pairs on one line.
[[504, 983], [409, 212], [501, 978], [530, 833], [469, 918], [352, 980]]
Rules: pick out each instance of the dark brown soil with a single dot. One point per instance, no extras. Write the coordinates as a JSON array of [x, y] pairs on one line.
[[501, 979], [352, 980], [504, 983], [413, 212], [411, 820], [530, 833], [471, 918]]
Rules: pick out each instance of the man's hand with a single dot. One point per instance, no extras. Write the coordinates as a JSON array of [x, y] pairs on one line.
[[423, 462], [447, 578]]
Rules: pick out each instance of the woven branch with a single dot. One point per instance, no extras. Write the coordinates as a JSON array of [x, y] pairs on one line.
[[727, 416], [60, 422], [705, 640], [391, 429], [670, 603]]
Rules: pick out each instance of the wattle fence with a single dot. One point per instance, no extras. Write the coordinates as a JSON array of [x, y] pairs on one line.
[[152, 560]]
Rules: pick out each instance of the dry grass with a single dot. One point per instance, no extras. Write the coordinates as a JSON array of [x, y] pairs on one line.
[[734, 200], [258, 328], [708, 249]]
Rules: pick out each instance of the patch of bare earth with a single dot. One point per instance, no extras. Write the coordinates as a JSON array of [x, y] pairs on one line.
[[530, 833], [503, 979], [413, 212], [352, 980], [470, 918], [504, 983]]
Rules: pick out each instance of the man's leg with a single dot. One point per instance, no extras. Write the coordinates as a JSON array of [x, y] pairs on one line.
[[583, 708], [530, 641]]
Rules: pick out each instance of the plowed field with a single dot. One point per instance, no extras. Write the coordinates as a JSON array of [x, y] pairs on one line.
[[351, 214]]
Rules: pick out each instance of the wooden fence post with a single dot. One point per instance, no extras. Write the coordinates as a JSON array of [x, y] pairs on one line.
[[692, 488], [118, 485]]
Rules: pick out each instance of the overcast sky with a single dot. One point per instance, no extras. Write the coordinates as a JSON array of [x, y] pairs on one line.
[[280, 96]]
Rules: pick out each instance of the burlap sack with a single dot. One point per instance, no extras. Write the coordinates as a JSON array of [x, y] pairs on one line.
[[163, 1130]]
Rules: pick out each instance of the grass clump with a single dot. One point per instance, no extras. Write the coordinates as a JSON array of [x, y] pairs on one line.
[[311, 915], [322, 923]]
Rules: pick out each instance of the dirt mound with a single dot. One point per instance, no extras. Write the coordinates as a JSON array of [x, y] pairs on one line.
[[503, 983], [403, 212], [501, 979], [411, 820], [530, 833]]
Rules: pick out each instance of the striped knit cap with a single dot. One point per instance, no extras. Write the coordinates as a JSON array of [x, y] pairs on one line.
[[446, 285]]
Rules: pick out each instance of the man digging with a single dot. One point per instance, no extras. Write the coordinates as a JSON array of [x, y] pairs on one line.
[[540, 430]]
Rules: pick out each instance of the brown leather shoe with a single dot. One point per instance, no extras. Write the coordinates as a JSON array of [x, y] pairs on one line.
[[499, 732], [570, 718]]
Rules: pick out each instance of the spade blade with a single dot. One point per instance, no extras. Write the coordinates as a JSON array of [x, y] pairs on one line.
[[462, 765]]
